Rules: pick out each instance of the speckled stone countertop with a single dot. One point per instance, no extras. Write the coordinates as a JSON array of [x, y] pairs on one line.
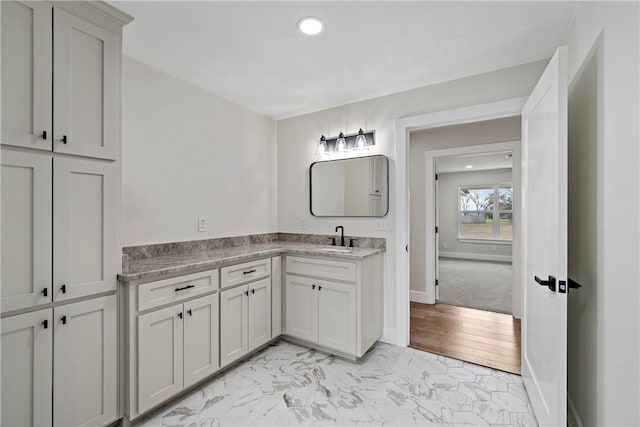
[[163, 265]]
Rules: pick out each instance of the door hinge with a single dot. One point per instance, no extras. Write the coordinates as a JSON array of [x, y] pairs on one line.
[[437, 282], [436, 177], [436, 228]]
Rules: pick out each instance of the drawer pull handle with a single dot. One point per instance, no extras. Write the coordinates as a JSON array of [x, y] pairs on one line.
[[185, 287], [64, 320], [249, 272], [189, 312], [45, 324], [64, 139], [44, 292], [246, 293], [253, 291], [43, 135], [180, 315], [63, 288]]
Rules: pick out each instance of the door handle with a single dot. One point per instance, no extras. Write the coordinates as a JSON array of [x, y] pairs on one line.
[[189, 312], [549, 283], [180, 315], [64, 320], [44, 292], [246, 293], [63, 288], [45, 324], [43, 135], [253, 291], [64, 139]]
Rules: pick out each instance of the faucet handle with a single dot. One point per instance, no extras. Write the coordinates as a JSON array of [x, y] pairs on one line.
[[333, 241], [351, 242]]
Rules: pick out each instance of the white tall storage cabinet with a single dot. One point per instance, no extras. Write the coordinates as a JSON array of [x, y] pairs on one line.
[[60, 197]]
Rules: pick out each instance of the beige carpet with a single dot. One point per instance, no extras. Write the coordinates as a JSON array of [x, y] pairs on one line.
[[484, 285]]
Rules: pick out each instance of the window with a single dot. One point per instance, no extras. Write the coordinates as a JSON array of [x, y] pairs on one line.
[[486, 212]]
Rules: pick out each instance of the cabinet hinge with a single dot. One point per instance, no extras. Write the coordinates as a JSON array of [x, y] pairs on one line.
[[436, 177], [436, 228], [436, 282]]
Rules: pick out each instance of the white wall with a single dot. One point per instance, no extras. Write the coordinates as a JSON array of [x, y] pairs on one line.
[[298, 138], [448, 187], [189, 154], [486, 132], [610, 368]]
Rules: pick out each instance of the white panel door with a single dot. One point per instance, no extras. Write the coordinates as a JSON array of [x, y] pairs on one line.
[[85, 72], [259, 313], [26, 352], [160, 356], [85, 363], [544, 150], [234, 331], [26, 74], [301, 319], [26, 229], [201, 346], [84, 222], [337, 316]]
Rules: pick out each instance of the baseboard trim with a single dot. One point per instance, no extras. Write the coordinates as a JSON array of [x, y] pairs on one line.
[[573, 419], [478, 257], [388, 336], [418, 296]]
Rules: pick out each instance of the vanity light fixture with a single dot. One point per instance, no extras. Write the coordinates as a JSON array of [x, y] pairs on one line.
[[310, 26], [341, 144], [322, 146], [360, 141]]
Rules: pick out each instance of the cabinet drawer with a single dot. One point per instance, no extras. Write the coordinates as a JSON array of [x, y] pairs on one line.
[[328, 269], [242, 273], [167, 291]]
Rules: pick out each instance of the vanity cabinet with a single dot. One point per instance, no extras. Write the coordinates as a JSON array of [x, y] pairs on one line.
[[177, 347], [336, 305], [245, 319]]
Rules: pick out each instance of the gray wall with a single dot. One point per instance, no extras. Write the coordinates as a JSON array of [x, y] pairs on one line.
[[448, 184], [487, 132]]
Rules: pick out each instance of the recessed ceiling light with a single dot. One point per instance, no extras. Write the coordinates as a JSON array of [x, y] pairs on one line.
[[468, 167], [310, 26]]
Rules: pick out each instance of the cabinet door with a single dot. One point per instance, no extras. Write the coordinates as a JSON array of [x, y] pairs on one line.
[[234, 340], [200, 339], [337, 316], [160, 351], [85, 71], [85, 363], [302, 308], [26, 355], [259, 313], [26, 229], [26, 74], [84, 219]]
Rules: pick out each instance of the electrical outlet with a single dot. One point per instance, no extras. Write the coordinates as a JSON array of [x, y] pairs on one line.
[[383, 225], [202, 224]]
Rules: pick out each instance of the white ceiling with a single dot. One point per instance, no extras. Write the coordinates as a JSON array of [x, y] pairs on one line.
[[253, 54], [484, 161]]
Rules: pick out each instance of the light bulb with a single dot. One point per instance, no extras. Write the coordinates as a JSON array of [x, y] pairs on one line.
[[322, 146], [341, 144], [361, 141]]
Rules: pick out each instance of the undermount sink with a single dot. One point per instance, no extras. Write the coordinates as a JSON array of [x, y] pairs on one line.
[[335, 250]]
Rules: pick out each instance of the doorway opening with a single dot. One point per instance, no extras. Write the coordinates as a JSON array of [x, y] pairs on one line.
[[463, 289]]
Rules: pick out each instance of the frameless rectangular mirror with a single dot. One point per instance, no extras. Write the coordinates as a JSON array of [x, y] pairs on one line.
[[350, 187]]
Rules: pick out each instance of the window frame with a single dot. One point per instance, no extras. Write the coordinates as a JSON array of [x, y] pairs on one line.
[[496, 211]]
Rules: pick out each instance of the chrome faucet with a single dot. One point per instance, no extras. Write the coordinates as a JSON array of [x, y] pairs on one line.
[[341, 234]]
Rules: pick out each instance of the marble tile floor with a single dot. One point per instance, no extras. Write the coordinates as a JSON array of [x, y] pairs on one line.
[[290, 385]]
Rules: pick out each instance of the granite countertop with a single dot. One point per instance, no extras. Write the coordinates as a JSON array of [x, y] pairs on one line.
[[158, 266]]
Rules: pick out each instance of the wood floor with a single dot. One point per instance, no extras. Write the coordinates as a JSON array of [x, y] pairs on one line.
[[482, 337]]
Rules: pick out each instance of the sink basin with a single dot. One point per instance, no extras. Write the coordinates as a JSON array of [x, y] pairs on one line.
[[335, 250]]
